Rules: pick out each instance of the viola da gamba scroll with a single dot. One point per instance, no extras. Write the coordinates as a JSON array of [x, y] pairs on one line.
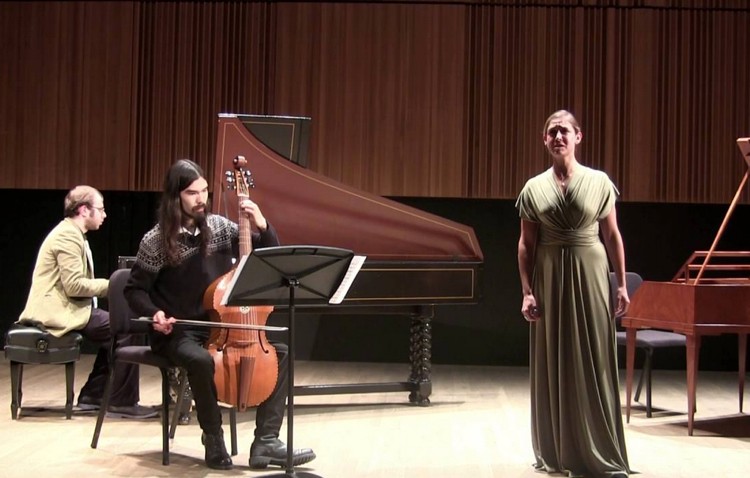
[[246, 367]]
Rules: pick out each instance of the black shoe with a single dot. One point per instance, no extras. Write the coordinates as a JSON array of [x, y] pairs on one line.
[[87, 403], [273, 452], [132, 411], [216, 452]]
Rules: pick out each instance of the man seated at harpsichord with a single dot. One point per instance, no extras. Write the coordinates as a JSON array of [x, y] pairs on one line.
[[63, 298]]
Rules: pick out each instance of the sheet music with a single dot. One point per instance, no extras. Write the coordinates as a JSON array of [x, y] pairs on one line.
[[354, 266], [235, 276]]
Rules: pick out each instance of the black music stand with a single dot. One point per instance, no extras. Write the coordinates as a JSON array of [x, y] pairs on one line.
[[288, 275]]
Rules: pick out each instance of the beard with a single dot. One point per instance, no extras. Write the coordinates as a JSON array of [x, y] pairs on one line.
[[197, 214], [200, 219], [197, 219]]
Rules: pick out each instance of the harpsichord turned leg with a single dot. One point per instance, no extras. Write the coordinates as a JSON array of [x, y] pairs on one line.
[[421, 355]]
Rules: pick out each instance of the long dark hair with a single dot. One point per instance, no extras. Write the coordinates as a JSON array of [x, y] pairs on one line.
[[181, 175]]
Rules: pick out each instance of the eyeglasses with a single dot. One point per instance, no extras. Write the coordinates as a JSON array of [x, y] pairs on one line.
[[100, 209]]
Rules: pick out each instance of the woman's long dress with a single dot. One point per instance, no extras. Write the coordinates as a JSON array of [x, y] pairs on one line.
[[575, 401]]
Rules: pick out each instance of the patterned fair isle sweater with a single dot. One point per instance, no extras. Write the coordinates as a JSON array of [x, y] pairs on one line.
[[178, 290]]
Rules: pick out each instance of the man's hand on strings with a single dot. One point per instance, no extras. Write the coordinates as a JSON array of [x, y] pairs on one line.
[[252, 210]]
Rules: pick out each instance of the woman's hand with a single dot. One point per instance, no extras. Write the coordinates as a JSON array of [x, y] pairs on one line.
[[529, 309], [623, 301]]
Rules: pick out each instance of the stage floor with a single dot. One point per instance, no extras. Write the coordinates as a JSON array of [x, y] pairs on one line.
[[477, 426]]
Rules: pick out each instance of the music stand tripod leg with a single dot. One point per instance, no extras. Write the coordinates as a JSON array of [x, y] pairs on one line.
[[290, 472]]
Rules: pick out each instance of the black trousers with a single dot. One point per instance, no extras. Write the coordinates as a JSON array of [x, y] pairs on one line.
[[125, 391], [185, 348]]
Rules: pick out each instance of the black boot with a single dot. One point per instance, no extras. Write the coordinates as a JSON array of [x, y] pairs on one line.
[[272, 451], [216, 453]]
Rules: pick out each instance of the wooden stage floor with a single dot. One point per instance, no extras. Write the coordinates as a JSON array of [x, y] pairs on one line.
[[477, 426]]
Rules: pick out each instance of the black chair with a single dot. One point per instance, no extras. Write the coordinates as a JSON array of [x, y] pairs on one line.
[[120, 321], [647, 340], [28, 344]]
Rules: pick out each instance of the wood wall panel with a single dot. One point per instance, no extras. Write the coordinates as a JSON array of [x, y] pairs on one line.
[[658, 93], [423, 98], [197, 60], [65, 96], [384, 85]]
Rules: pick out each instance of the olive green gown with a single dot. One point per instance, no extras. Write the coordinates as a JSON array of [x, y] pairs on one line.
[[575, 402]]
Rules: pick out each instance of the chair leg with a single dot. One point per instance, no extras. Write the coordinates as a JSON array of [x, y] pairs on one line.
[[647, 371], [70, 373], [164, 416], [16, 371], [179, 405], [641, 377], [104, 405]]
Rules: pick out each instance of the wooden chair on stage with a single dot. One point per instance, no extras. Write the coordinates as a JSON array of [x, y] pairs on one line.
[[647, 339]]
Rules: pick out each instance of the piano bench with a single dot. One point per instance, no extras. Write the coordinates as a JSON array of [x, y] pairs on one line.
[[27, 344]]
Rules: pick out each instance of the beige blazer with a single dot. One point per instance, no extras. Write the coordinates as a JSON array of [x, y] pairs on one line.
[[63, 283]]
